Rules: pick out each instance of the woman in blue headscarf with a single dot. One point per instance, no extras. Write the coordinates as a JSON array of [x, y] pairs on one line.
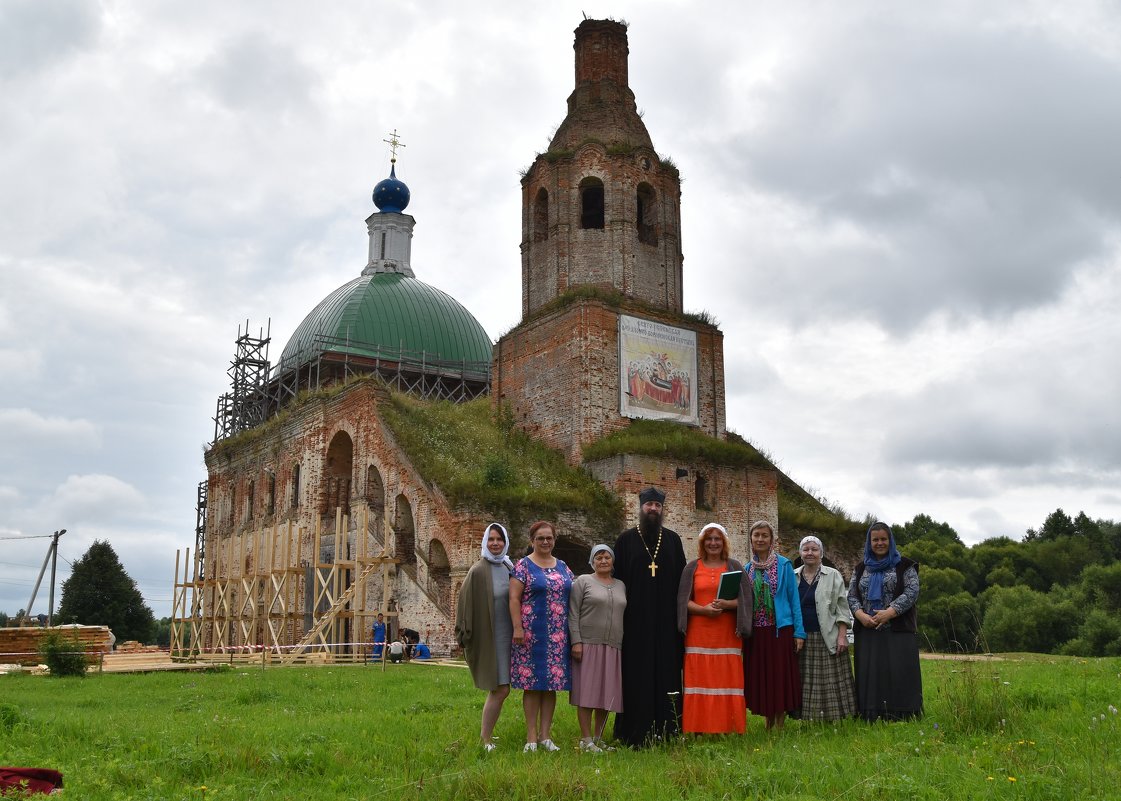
[[882, 596]]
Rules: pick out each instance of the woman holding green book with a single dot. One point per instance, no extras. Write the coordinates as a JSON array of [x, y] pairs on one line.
[[714, 623]]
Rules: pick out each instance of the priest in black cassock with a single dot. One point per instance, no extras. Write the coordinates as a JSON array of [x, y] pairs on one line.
[[649, 561]]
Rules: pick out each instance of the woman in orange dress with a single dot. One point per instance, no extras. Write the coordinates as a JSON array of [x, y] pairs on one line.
[[714, 630]]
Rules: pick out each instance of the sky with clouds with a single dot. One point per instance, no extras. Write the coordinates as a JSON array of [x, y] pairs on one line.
[[905, 217]]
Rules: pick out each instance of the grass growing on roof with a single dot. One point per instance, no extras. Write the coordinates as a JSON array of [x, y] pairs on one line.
[[475, 459], [673, 440]]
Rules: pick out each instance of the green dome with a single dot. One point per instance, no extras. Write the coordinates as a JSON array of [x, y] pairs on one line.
[[393, 317]]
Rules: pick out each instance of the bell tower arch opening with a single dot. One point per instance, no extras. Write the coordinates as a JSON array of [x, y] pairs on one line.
[[541, 216], [591, 203]]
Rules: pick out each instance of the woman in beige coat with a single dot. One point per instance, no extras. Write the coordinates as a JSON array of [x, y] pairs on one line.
[[483, 627]]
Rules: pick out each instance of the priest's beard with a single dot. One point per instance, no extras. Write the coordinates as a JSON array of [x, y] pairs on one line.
[[650, 524]]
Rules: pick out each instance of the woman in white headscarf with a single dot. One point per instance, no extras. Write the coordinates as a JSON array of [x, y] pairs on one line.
[[595, 627], [483, 627], [827, 684]]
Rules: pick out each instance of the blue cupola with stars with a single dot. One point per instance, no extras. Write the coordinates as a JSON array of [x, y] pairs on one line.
[[391, 196]]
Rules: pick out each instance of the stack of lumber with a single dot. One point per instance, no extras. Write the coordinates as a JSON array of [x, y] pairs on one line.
[[134, 647], [20, 646]]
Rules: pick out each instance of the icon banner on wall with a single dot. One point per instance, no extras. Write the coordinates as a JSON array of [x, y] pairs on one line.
[[657, 371]]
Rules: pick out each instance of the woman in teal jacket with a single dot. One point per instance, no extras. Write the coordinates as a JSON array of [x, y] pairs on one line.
[[772, 684]]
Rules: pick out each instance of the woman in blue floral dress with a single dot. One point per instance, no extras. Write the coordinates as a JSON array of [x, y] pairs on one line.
[[539, 663]]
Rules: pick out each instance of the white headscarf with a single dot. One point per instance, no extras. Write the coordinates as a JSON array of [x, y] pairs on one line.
[[502, 558], [811, 538]]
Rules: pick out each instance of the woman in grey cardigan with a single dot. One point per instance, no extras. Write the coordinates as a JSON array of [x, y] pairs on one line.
[[827, 684], [483, 627], [595, 627]]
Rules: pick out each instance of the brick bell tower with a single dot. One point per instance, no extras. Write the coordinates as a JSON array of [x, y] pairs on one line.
[[601, 271], [600, 208]]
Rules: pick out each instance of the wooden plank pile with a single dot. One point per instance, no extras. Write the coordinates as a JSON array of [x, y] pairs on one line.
[[20, 646]]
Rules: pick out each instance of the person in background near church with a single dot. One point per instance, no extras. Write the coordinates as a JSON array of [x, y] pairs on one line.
[[649, 560], [714, 631], [379, 639], [483, 627], [827, 688], [882, 596], [772, 685]]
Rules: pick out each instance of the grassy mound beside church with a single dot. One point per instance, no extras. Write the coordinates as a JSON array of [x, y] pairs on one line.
[[478, 460]]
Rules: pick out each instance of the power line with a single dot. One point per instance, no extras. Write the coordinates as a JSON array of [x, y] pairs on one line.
[[28, 537]]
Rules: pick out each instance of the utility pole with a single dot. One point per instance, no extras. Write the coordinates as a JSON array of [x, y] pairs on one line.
[[54, 563], [52, 557]]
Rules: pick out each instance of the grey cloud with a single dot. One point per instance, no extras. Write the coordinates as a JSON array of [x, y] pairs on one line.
[[254, 72], [967, 161], [40, 34]]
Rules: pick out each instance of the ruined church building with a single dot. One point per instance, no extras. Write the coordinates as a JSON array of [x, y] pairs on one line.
[[314, 518]]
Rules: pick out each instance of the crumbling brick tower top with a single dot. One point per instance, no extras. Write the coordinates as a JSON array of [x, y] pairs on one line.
[[600, 208]]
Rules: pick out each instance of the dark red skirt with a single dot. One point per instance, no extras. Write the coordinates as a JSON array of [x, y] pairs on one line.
[[771, 682]]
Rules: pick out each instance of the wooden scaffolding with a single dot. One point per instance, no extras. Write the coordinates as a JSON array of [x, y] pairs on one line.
[[261, 600]]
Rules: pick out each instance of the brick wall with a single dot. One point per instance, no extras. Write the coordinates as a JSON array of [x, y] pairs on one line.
[[735, 499], [559, 375]]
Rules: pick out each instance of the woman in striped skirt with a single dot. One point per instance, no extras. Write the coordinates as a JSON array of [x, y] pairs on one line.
[[713, 629], [827, 685]]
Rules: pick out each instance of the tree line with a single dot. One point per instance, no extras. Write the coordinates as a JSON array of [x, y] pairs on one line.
[[1057, 591]]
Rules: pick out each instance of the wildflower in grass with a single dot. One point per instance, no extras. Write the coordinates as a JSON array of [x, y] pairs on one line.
[[1112, 709], [1012, 778], [988, 778]]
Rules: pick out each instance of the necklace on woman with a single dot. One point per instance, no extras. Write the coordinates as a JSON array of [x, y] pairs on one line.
[[653, 556]]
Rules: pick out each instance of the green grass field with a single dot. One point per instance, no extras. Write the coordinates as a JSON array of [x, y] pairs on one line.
[[1029, 727]]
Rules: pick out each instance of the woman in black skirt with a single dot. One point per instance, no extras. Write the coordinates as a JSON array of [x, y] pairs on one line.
[[882, 596]]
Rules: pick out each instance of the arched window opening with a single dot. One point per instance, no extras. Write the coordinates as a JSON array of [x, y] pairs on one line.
[[404, 533], [700, 493], [647, 218], [541, 216], [439, 573], [339, 468], [375, 500], [591, 203], [375, 490]]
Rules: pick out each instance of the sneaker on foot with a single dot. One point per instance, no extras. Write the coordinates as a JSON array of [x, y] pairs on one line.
[[589, 747], [549, 745], [602, 745], [488, 747], [529, 747]]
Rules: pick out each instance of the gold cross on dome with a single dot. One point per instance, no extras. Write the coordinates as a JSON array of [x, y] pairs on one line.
[[394, 142]]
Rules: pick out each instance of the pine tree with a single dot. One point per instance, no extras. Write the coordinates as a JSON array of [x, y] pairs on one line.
[[100, 593]]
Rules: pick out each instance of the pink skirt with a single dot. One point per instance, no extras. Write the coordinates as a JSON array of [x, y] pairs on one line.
[[597, 679]]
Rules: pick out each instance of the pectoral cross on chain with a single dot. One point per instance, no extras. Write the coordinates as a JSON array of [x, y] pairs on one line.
[[653, 570]]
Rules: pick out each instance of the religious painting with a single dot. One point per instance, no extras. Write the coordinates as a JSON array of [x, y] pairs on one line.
[[657, 371]]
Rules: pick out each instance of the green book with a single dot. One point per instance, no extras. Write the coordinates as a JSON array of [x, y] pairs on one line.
[[729, 587]]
